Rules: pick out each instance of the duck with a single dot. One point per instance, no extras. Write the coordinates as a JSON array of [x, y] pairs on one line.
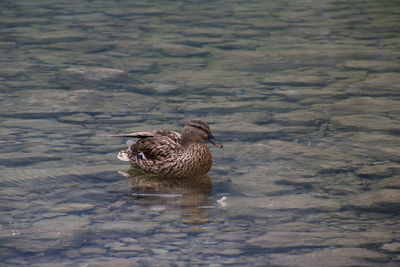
[[171, 154]]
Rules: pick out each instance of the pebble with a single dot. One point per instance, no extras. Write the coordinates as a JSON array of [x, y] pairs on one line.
[[173, 50], [79, 117], [129, 240], [128, 248], [230, 252], [159, 251], [391, 247], [92, 250], [95, 73], [107, 262]]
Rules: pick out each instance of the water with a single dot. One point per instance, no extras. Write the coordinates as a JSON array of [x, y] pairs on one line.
[[304, 95]]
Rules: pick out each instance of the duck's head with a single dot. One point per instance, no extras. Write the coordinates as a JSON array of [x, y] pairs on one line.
[[198, 131]]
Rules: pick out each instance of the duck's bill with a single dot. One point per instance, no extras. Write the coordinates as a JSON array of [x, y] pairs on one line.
[[215, 142]]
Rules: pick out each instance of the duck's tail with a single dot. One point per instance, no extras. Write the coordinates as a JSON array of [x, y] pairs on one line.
[[135, 135], [123, 155]]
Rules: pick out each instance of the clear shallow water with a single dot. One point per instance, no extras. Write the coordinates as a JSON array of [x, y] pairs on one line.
[[304, 95]]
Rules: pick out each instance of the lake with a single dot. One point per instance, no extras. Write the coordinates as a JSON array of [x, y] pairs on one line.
[[304, 95]]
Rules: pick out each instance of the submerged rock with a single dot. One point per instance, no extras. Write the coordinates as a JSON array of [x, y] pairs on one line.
[[388, 183], [331, 257], [126, 226], [365, 123], [373, 65], [230, 252], [92, 250], [107, 262], [73, 207], [159, 87], [320, 239], [243, 127], [391, 247], [382, 82], [386, 199], [128, 248], [322, 159], [302, 79], [295, 202], [62, 223], [359, 105], [95, 73], [300, 117], [174, 50], [78, 117], [382, 146], [377, 171]]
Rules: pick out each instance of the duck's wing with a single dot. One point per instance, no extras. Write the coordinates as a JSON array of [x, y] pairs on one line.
[[151, 148], [155, 148]]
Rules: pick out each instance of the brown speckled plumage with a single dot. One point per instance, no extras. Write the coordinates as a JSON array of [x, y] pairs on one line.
[[169, 153]]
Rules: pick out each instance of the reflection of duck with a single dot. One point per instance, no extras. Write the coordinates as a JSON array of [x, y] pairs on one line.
[[191, 196], [170, 154], [142, 182]]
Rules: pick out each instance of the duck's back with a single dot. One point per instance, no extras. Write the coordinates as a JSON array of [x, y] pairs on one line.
[[164, 154], [174, 136]]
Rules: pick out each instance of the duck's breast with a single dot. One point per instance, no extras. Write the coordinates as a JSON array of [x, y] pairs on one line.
[[196, 159]]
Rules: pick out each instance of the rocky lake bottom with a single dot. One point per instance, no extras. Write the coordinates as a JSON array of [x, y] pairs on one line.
[[305, 98]]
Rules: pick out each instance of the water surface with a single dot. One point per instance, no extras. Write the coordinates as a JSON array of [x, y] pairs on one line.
[[304, 95]]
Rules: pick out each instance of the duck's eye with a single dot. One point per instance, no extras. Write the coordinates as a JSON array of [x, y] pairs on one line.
[[199, 127]]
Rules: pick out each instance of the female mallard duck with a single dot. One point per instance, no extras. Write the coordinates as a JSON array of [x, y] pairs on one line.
[[170, 154]]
